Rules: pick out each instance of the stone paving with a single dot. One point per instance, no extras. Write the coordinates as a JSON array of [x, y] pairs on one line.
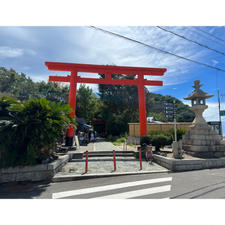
[[105, 165], [99, 145]]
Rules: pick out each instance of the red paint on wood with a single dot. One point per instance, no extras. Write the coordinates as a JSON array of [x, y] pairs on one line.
[[108, 71], [128, 70], [72, 100], [59, 79], [114, 159], [86, 164], [118, 81]]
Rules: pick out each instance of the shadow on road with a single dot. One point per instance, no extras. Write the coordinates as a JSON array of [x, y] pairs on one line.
[[22, 190]]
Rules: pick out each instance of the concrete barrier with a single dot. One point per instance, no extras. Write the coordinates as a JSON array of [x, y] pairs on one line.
[[188, 164], [33, 173]]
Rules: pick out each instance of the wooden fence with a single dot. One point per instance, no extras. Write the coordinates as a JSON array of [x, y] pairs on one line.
[[134, 128]]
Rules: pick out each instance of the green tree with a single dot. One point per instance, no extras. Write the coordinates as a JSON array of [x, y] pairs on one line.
[[23, 87], [7, 80], [29, 132], [52, 91], [86, 103], [117, 105], [154, 106], [120, 105]]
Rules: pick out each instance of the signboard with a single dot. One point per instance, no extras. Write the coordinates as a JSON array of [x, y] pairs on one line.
[[222, 112], [169, 110]]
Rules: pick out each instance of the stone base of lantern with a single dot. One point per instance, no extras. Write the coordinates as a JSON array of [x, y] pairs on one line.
[[201, 141]]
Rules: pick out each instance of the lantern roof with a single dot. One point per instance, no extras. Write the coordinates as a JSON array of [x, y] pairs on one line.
[[198, 93]]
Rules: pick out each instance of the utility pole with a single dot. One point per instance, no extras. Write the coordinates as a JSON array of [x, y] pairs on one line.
[[222, 113], [219, 111], [175, 122]]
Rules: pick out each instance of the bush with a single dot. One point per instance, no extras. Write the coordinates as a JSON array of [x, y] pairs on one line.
[[162, 133], [156, 132], [116, 140], [180, 133], [159, 141], [29, 134], [146, 140]]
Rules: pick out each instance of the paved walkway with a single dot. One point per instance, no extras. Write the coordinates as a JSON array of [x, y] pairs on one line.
[[100, 166], [100, 145], [106, 165]]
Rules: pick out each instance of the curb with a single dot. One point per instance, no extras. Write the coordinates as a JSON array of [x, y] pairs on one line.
[[181, 165], [70, 177]]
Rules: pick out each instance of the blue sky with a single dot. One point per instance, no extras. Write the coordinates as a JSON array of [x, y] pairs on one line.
[[25, 49]]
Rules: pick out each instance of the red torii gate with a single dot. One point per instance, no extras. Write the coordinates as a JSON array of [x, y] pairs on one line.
[[108, 70]]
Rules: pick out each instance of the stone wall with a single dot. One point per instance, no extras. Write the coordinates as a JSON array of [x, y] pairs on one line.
[[201, 141], [188, 164], [33, 173]]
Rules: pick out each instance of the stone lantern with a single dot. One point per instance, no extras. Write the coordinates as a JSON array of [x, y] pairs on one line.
[[198, 98], [201, 140]]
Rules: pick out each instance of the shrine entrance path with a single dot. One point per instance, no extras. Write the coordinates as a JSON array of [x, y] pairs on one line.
[[100, 145], [103, 165]]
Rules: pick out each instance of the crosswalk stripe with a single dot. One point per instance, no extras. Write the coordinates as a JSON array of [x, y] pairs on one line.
[[108, 187], [137, 193]]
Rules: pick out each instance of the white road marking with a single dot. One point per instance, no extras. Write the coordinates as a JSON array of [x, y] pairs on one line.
[[137, 193], [108, 187]]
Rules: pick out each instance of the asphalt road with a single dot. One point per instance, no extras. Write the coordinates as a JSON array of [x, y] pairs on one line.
[[201, 184]]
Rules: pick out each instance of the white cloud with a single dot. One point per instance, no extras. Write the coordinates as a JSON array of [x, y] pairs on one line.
[[212, 112], [37, 78], [30, 52], [101, 48], [19, 33], [10, 52], [214, 62], [86, 45]]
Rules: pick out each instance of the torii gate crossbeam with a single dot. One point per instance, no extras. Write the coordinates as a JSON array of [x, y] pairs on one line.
[[108, 70]]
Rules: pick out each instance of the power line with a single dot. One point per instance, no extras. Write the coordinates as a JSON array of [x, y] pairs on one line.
[[205, 46], [210, 34], [206, 37], [163, 51]]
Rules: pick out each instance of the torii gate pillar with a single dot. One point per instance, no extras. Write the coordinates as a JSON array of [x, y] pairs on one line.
[[73, 79], [72, 103]]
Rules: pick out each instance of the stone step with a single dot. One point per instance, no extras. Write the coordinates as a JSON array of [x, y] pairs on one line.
[[104, 154], [106, 159]]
